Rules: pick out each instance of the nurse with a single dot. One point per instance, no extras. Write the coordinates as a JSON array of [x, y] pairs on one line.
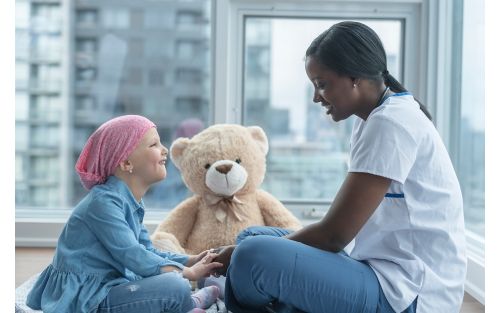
[[401, 202]]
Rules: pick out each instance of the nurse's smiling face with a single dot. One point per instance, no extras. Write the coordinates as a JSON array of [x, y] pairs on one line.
[[335, 92]]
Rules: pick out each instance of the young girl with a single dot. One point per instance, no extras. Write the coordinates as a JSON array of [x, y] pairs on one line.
[[104, 260], [401, 201]]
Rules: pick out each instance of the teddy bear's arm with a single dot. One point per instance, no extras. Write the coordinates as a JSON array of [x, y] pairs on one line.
[[274, 213], [180, 221]]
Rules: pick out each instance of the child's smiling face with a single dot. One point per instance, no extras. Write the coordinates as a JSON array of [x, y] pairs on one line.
[[149, 158]]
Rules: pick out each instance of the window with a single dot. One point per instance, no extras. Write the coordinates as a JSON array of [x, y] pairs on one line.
[[84, 107], [247, 82], [134, 76], [159, 19], [156, 77], [120, 51], [137, 18], [20, 168], [85, 74], [159, 49], [86, 18], [188, 20], [22, 14], [22, 73], [46, 17], [187, 49], [115, 18], [136, 47], [308, 152], [189, 76], [45, 108], [470, 167], [86, 45], [46, 47], [22, 103], [45, 78], [44, 167], [22, 136], [45, 136], [22, 43]]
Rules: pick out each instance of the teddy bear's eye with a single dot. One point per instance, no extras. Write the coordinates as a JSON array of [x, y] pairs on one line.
[[238, 160], [207, 166]]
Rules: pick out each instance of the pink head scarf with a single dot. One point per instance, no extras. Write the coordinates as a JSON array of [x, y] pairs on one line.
[[110, 144]]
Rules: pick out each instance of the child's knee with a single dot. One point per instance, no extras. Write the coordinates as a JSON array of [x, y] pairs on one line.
[[174, 286]]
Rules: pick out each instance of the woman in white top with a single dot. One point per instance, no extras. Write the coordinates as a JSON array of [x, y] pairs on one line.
[[401, 201]]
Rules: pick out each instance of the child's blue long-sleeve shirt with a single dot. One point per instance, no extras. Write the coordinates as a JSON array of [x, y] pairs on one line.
[[103, 244]]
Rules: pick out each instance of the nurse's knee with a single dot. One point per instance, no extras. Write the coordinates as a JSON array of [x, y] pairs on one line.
[[248, 232], [249, 251]]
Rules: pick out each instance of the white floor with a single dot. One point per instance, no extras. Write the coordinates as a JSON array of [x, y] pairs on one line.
[[30, 261]]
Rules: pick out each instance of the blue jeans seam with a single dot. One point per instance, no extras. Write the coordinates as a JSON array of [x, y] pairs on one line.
[[131, 303]]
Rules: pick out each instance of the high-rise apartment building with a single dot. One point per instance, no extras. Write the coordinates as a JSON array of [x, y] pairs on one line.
[[149, 58], [80, 63], [39, 102]]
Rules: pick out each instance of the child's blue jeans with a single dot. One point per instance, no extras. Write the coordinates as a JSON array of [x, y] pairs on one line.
[[168, 292], [295, 277]]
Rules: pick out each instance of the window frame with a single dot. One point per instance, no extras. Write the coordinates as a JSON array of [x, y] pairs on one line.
[[429, 21]]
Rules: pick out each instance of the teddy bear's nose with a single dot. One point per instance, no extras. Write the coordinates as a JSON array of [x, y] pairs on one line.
[[224, 169]]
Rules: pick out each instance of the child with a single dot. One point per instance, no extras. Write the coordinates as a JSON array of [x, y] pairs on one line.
[[104, 260]]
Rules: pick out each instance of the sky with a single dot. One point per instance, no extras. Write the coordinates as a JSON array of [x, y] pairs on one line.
[[473, 68]]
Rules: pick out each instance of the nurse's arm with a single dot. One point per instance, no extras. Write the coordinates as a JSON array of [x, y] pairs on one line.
[[357, 199]]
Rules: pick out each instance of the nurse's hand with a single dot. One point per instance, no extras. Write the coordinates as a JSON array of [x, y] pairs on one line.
[[223, 256]]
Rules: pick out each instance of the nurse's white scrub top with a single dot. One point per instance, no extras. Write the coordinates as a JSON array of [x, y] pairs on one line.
[[414, 241]]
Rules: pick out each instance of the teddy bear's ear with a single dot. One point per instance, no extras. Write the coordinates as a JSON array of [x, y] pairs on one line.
[[177, 150], [260, 137]]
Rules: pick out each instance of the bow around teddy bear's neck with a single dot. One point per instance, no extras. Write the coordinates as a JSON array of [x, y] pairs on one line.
[[224, 205]]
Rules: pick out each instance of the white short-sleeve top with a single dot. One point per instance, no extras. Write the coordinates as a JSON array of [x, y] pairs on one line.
[[414, 241]]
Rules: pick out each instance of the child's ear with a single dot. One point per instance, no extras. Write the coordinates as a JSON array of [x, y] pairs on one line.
[[125, 166], [177, 150]]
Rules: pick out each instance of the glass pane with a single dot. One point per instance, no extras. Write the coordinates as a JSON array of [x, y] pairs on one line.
[[471, 157], [22, 104], [20, 168], [308, 152], [152, 60], [22, 137]]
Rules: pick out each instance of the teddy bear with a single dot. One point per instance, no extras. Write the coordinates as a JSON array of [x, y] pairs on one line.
[[223, 166]]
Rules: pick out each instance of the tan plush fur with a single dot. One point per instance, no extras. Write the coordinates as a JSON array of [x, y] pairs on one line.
[[216, 213]]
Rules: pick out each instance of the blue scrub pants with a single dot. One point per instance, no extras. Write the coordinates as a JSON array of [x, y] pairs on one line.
[[272, 274]]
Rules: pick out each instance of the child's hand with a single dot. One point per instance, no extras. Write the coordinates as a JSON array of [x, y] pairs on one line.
[[202, 268], [193, 259]]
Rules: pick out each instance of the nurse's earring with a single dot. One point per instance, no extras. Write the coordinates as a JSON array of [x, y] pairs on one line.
[[130, 170], [354, 85]]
